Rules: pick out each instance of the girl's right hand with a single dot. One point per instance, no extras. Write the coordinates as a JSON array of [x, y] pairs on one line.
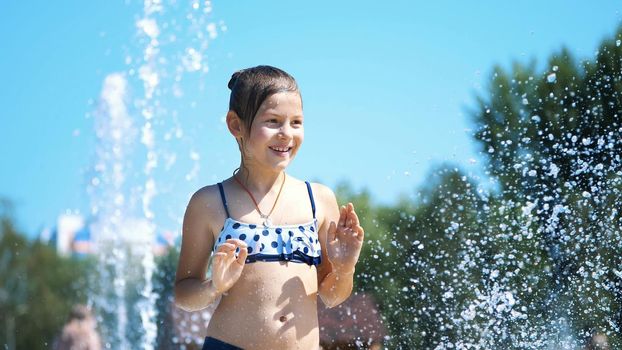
[[226, 267]]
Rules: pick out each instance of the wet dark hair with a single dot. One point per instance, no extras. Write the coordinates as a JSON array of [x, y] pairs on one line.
[[252, 86]]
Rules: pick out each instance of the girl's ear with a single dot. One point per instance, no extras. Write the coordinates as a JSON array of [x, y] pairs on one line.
[[235, 125]]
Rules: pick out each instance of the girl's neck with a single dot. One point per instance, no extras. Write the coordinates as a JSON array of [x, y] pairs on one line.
[[260, 181]]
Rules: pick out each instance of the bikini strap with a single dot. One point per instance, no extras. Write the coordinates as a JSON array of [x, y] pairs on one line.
[[224, 199], [311, 197]]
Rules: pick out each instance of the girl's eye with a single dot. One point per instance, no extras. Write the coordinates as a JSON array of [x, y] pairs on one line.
[[297, 122]]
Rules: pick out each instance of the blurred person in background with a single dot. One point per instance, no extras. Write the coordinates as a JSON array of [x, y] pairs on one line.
[[79, 332], [598, 341]]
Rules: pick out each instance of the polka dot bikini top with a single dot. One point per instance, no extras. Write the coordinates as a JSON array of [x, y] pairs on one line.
[[296, 243]]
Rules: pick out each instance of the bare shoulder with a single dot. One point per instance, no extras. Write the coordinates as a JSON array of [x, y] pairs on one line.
[[206, 206], [323, 193], [205, 195], [326, 203], [197, 239]]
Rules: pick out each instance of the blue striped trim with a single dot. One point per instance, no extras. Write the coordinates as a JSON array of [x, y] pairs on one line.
[[224, 199], [311, 197], [296, 256]]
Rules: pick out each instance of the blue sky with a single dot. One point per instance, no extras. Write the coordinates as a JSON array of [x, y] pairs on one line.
[[386, 88]]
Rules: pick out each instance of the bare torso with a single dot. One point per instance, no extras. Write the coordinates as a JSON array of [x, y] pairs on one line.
[[272, 306]]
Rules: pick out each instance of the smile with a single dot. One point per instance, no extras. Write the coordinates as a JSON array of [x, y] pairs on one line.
[[280, 149]]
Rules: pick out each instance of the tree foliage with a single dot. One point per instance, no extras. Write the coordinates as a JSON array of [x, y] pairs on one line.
[[553, 141], [37, 288], [533, 262]]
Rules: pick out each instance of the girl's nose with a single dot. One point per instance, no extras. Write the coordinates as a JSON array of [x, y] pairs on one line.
[[285, 130]]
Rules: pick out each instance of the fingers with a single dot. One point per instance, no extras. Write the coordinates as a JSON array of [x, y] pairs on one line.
[[232, 244], [345, 216], [230, 247], [237, 242], [348, 217], [226, 247], [349, 223], [360, 233], [237, 246], [332, 232], [242, 256], [342, 216], [226, 250], [354, 219], [225, 272], [218, 258], [348, 229], [349, 211]]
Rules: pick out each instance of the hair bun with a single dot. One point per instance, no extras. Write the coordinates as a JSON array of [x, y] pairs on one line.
[[234, 79]]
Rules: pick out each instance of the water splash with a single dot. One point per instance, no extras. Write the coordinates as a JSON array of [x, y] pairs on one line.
[[136, 132]]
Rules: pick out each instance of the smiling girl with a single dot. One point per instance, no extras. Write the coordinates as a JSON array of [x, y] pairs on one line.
[[276, 242]]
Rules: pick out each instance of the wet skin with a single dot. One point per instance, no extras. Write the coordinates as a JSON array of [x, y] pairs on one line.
[[273, 304], [266, 305]]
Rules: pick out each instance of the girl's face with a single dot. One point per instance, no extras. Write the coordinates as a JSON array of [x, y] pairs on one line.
[[277, 131]]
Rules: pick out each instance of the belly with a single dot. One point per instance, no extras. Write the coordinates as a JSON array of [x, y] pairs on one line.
[[272, 306]]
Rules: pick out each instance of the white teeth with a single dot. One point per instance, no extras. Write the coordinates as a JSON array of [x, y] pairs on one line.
[[281, 149]]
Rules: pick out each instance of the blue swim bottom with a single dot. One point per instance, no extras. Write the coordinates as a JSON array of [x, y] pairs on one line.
[[215, 344]]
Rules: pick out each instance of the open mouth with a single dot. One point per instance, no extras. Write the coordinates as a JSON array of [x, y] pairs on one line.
[[280, 149]]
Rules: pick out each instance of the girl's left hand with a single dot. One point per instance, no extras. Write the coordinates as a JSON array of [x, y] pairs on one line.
[[345, 240]]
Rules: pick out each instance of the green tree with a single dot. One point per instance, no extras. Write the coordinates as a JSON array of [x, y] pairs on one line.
[[37, 288], [439, 260], [164, 281], [421, 260], [535, 261], [552, 140]]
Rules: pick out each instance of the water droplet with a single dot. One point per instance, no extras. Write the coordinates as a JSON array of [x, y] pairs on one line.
[[551, 78]]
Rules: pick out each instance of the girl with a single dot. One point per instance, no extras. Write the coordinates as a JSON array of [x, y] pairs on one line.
[[276, 242]]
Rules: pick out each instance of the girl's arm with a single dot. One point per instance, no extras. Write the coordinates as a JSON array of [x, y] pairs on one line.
[[341, 238], [192, 290]]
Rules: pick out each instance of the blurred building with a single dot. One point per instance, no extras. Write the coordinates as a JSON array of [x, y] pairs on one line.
[[73, 236]]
